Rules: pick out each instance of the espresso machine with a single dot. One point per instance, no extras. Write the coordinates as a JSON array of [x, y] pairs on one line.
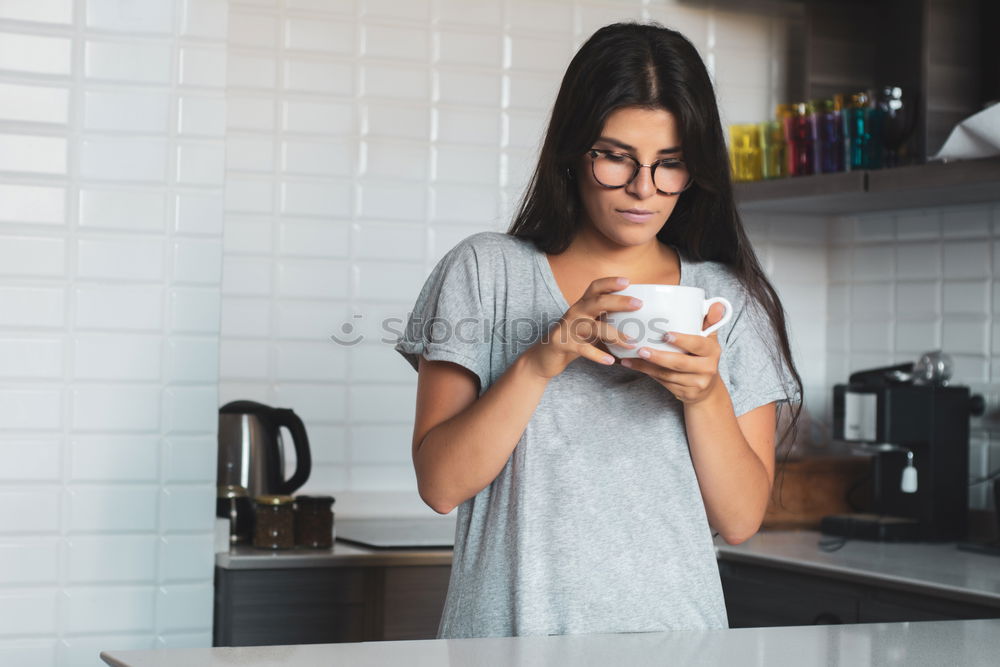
[[916, 427]]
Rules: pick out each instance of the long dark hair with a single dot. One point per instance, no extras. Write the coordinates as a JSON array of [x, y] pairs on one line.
[[649, 66]]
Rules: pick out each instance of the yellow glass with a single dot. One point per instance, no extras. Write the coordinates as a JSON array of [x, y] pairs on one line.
[[744, 152]]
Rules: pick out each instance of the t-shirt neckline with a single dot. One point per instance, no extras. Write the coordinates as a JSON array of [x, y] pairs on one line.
[[550, 278]]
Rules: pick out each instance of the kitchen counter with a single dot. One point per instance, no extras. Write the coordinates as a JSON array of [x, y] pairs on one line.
[[966, 643], [938, 569], [341, 555]]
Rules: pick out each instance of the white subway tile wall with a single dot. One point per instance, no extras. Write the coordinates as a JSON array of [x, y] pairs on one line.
[[793, 252], [364, 140], [112, 125], [909, 281]]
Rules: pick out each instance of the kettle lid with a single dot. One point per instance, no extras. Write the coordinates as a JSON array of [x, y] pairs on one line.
[[244, 407]]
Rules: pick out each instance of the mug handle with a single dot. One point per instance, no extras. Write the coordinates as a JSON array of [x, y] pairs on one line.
[[725, 318]]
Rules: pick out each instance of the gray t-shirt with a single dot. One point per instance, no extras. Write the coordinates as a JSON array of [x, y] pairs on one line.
[[596, 522]]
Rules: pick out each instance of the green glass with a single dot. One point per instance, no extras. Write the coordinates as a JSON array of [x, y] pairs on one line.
[[772, 147]]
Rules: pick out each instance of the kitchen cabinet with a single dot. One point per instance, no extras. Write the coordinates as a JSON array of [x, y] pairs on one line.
[[292, 606], [944, 50], [765, 597], [879, 605], [412, 601], [317, 605], [351, 604]]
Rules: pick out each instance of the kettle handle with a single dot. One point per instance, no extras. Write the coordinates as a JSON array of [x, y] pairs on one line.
[[303, 460]]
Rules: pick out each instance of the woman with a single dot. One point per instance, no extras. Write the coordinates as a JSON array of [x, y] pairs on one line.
[[588, 490]]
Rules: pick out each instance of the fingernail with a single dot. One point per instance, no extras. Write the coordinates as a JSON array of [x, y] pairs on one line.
[[623, 281], [635, 302], [669, 337], [609, 359], [626, 362], [644, 353]]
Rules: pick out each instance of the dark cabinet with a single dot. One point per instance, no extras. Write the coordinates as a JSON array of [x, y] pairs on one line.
[[765, 597], [413, 600], [760, 595], [886, 606], [257, 607]]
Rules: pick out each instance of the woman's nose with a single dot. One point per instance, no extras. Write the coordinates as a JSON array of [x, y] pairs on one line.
[[642, 185]]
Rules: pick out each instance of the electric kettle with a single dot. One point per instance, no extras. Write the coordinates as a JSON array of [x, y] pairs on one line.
[[251, 452]]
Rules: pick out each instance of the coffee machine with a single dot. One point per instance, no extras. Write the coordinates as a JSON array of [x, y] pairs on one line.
[[916, 427]]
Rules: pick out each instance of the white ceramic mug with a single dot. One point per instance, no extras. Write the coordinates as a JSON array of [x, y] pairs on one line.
[[664, 308]]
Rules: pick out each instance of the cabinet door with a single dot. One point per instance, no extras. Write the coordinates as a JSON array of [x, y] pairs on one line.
[[292, 606], [885, 606], [758, 596], [413, 601]]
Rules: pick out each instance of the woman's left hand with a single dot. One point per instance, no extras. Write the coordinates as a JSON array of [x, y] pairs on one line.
[[693, 376]]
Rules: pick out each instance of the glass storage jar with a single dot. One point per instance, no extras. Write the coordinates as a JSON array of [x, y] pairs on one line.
[[274, 523], [314, 521]]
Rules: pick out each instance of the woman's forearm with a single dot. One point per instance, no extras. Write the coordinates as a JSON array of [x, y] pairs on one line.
[[461, 456], [734, 482]]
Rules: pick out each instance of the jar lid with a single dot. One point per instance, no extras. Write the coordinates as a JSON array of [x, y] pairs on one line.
[[273, 500], [314, 500], [231, 491]]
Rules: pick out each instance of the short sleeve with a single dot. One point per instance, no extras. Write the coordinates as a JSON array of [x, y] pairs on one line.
[[751, 364], [448, 321]]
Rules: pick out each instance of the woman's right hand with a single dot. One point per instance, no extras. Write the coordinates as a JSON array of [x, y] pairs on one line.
[[580, 327]]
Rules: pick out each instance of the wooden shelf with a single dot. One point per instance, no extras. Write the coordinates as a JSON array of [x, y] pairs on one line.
[[853, 192]]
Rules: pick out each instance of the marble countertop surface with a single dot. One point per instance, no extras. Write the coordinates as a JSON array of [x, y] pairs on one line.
[[966, 643], [934, 568], [340, 555]]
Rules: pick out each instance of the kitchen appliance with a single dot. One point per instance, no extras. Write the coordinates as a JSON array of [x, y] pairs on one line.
[[251, 450], [916, 427], [407, 533]]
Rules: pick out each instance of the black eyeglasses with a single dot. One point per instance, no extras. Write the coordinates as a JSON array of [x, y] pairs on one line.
[[614, 170]]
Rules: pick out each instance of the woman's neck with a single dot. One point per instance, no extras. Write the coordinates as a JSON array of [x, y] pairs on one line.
[[597, 251]]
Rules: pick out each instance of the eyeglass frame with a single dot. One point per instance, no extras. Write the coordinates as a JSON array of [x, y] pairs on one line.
[[638, 165]]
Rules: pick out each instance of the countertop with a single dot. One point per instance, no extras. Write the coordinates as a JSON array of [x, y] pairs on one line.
[[341, 555], [966, 643], [939, 569], [936, 569]]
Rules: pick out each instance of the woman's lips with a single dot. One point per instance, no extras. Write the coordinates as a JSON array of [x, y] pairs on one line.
[[635, 214]]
